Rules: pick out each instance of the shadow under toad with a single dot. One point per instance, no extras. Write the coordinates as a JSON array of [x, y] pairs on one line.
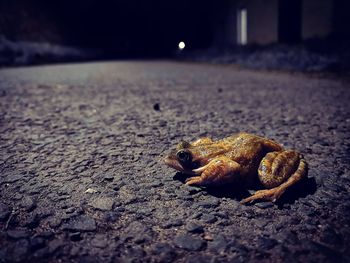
[[305, 187], [302, 189]]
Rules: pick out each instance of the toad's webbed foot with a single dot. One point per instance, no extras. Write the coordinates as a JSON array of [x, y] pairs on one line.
[[265, 195]]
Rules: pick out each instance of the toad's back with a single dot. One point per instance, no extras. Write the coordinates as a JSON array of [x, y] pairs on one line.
[[248, 150]]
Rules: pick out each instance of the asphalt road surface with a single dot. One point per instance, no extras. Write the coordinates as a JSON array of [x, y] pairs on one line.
[[81, 178]]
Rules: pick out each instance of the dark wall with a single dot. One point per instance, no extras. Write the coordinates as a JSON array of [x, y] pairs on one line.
[[28, 20], [289, 21], [341, 19]]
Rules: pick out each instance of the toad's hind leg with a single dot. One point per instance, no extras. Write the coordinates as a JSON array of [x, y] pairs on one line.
[[279, 171]]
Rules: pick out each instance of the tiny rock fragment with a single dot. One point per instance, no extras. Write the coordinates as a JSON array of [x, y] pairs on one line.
[[82, 223], [208, 237], [103, 203], [156, 107], [91, 191]]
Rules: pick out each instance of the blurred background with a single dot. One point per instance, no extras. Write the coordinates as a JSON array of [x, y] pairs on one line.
[[292, 34]]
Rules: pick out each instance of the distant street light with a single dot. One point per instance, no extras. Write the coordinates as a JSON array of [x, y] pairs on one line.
[[182, 45]]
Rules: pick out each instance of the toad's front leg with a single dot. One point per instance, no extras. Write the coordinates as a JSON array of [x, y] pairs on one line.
[[218, 171], [278, 171]]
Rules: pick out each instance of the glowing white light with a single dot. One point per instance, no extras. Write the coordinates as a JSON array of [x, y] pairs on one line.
[[242, 22], [182, 45]]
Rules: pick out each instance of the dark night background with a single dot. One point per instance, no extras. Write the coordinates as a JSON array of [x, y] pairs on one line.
[[120, 28], [311, 35], [115, 29]]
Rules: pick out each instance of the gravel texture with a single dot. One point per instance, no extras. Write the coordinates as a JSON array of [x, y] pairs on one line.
[[81, 178]]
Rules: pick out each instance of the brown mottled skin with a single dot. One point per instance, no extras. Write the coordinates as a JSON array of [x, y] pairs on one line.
[[239, 159]]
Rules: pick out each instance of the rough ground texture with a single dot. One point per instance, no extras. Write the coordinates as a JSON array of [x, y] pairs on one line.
[[81, 178]]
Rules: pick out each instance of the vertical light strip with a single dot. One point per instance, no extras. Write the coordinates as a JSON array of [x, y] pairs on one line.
[[242, 22], [244, 26]]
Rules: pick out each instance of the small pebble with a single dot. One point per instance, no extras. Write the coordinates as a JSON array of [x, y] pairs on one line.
[[194, 228], [91, 191], [209, 218], [156, 107], [189, 243]]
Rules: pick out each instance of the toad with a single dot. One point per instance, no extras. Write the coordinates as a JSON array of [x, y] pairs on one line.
[[241, 159]]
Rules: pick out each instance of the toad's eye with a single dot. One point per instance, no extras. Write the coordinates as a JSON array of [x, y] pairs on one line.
[[184, 157]]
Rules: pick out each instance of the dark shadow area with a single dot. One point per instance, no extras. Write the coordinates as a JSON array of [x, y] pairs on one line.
[[228, 191], [305, 187], [302, 189], [180, 177], [289, 21]]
